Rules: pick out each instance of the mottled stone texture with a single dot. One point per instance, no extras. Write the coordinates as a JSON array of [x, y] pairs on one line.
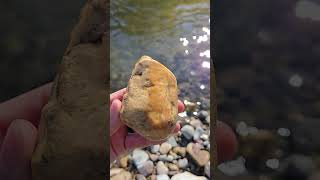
[[72, 140], [150, 103]]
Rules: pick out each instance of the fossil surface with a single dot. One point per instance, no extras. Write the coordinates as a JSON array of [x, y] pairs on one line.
[[150, 103], [72, 139]]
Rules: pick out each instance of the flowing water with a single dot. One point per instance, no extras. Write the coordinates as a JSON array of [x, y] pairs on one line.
[[174, 32]]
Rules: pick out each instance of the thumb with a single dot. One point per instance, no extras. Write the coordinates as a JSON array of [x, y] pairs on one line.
[[115, 122], [16, 151]]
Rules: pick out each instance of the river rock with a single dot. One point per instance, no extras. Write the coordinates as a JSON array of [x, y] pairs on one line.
[[165, 148], [183, 163], [173, 167], [162, 168], [171, 140], [123, 175], [201, 157], [180, 150], [149, 105], [140, 177], [146, 168], [155, 148], [163, 177], [187, 131], [188, 176], [139, 157], [197, 133], [124, 161]]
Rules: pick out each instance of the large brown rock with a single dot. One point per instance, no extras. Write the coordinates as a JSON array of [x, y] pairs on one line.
[[150, 104], [72, 140]]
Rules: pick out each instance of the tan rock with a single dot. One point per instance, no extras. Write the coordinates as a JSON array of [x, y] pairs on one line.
[[201, 157], [124, 161], [180, 150], [123, 175], [150, 103], [72, 138]]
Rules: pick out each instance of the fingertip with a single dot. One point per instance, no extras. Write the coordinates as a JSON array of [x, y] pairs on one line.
[[115, 121], [180, 106], [227, 144]]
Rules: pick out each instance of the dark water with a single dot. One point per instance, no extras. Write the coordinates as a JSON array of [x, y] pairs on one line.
[[175, 32]]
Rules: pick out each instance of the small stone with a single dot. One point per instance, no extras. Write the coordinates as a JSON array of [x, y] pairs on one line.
[[171, 140], [197, 133], [123, 175], [146, 168], [173, 167], [187, 176], [180, 150], [152, 177], [115, 171], [154, 157], [207, 120], [183, 163], [201, 157], [165, 148], [207, 169], [204, 137], [171, 173], [187, 131], [163, 177], [169, 158], [202, 115], [162, 168], [140, 177], [124, 161], [139, 157], [195, 123], [155, 148], [173, 154]]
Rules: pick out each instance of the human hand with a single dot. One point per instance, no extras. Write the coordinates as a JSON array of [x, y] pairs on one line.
[[121, 141], [19, 118]]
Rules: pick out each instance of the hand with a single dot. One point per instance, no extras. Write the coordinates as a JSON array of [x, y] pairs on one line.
[[19, 118], [120, 141]]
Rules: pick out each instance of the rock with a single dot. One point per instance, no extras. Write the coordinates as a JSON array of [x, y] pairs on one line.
[[146, 168], [168, 158], [155, 148], [73, 134], [180, 150], [187, 131], [207, 120], [202, 115], [173, 154], [183, 163], [139, 157], [195, 123], [204, 137], [171, 140], [123, 175], [207, 169], [233, 168], [154, 157], [165, 148], [163, 177], [197, 133], [162, 168], [140, 177], [173, 167], [149, 105], [201, 157], [124, 161], [171, 173], [152, 177], [115, 171], [187, 176]]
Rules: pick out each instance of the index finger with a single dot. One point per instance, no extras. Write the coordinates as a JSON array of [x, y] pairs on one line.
[[117, 95]]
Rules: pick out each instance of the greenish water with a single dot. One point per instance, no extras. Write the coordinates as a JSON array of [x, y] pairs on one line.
[[175, 32]]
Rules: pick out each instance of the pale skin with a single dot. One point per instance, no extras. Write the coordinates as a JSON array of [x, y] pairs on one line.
[[19, 118]]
